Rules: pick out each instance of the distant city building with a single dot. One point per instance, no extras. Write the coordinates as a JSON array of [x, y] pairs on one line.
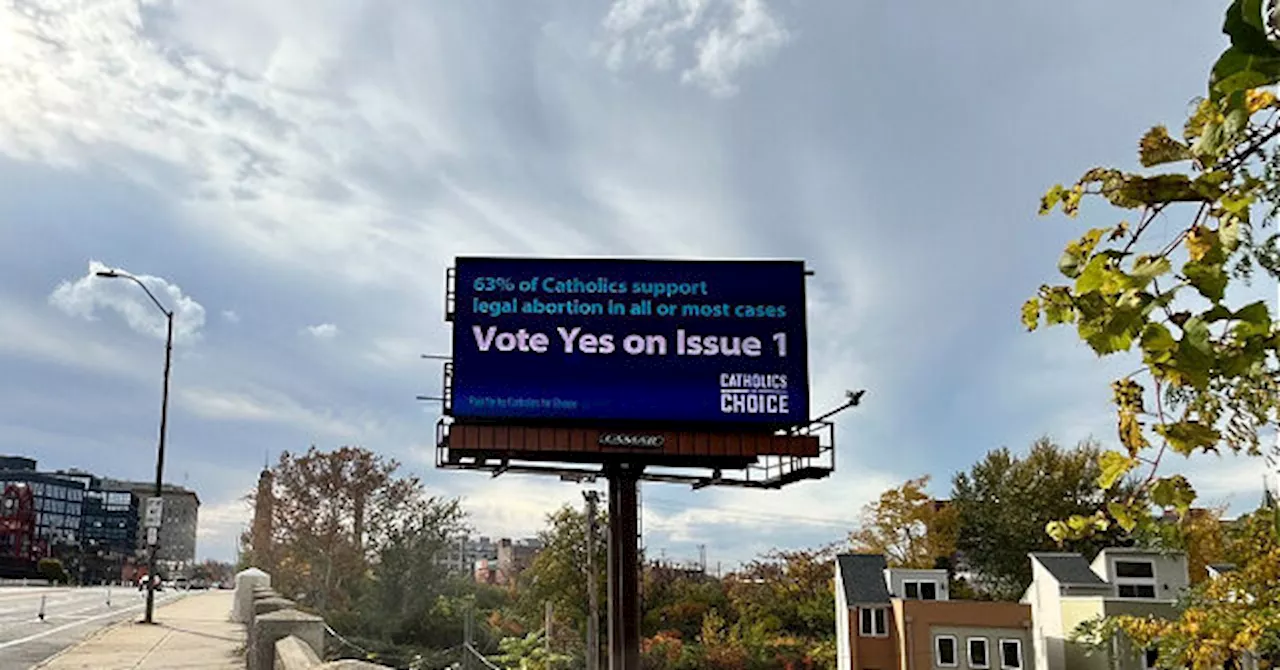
[[57, 500], [93, 524], [515, 557], [502, 562], [177, 538], [19, 547], [108, 533], [464, 553]]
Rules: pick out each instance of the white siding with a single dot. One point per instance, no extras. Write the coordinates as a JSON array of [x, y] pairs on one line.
[[1046, 616], [844, 652]]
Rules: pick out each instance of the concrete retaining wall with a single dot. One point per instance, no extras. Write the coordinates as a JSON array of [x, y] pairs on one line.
[[281, 637]]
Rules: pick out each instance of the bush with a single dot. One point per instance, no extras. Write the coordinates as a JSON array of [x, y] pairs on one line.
[[52, 570]]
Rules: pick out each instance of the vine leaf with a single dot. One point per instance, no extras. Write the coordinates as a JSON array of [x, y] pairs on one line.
[[1210, 279], [1157, 148], [1114, 466], [1175, 492], [1186, 436]]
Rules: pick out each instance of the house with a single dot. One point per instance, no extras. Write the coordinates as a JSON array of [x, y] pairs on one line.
[[901, 619], [1067, 590]]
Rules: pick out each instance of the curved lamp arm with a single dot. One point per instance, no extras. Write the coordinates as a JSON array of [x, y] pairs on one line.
[[117, 274]]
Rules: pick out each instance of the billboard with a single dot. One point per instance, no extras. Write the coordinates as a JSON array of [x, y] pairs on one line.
[[710, 343]]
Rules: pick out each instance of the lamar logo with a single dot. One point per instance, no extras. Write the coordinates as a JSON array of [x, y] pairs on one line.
[[638, 441]]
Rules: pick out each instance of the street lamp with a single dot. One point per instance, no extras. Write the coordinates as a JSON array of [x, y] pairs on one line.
[[164, 420]]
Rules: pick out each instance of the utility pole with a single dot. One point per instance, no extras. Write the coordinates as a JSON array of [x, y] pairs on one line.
[[593, 598]]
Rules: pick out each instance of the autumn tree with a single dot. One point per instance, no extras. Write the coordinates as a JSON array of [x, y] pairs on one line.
[[1198, 534], [330, 514], [677, 602], [908, 526], [1181, 301], [557, 575], [784, 608], [1004, 501]]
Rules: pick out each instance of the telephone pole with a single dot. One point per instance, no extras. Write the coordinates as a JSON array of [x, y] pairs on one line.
[[593, 599]]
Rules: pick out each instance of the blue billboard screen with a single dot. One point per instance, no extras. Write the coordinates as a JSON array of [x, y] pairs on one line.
[[715, 343]]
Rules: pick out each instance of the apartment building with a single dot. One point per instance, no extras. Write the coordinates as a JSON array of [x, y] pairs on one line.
[[900, 619], [1067, 590]]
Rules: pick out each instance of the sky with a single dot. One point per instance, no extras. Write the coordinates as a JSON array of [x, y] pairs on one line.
[[293, 178]]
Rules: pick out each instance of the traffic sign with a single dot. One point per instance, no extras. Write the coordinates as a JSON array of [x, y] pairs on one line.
[[154, 513], [153, 536]]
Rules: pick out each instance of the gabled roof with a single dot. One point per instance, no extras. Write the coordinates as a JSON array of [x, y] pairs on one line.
[[1069, 569], [862, 578], [1221, 568]]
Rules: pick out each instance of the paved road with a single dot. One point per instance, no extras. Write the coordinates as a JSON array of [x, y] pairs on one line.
[[70, 615]]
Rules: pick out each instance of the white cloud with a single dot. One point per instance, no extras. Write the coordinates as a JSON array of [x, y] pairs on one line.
[[223, 520], [263, 405], [84, 296], [219, 527], [230, 316], [512, 505], [323, 331], [711, 39]]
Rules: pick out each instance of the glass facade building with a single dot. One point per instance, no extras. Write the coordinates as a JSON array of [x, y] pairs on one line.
[[58, 504]]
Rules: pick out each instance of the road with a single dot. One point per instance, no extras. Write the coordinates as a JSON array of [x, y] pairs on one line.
[[70, 615]]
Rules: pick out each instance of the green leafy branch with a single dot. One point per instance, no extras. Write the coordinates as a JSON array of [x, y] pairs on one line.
[[1210, 374]]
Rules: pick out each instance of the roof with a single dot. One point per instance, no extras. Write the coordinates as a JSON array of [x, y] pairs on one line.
[[862, 577], [1069, 569], [1221, 567]]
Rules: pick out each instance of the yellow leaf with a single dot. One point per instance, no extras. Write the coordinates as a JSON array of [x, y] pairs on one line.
[[1258, 99], [1199, 242]]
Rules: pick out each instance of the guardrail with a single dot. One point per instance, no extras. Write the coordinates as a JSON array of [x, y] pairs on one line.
[[280, 636]]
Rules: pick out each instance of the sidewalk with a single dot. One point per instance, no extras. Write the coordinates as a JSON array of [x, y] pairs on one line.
[[194, 633]]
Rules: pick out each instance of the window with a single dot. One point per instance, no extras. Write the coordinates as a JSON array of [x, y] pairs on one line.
[[1135, 579], [919, 590], [1137, 590], [944, 651], [1011, 654], [874, 621], [978, 653], [1140, 569], [1150, 658]]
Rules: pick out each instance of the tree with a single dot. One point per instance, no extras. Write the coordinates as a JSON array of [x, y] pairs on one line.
[[1209, 376], [908, 526], [784, 607], [675, 602], [411, 597], [1199, 534], [332, 512], [557, 575], [1210, 352], [1004, 502], [52, 570]]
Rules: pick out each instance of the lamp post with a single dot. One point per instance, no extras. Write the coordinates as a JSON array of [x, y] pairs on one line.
[[164, 420]]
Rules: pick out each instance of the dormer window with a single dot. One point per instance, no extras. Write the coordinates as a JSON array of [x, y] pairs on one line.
[[1135, 579], [920, 590]]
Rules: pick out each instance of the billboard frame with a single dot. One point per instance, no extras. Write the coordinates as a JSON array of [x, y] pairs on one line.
[[450, 314]]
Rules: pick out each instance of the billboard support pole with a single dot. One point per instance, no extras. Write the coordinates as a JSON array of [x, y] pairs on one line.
[[624, 567]]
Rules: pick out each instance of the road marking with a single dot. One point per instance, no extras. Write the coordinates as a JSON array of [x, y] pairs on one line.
[[32, 593], [69, 615], [51, 631]]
